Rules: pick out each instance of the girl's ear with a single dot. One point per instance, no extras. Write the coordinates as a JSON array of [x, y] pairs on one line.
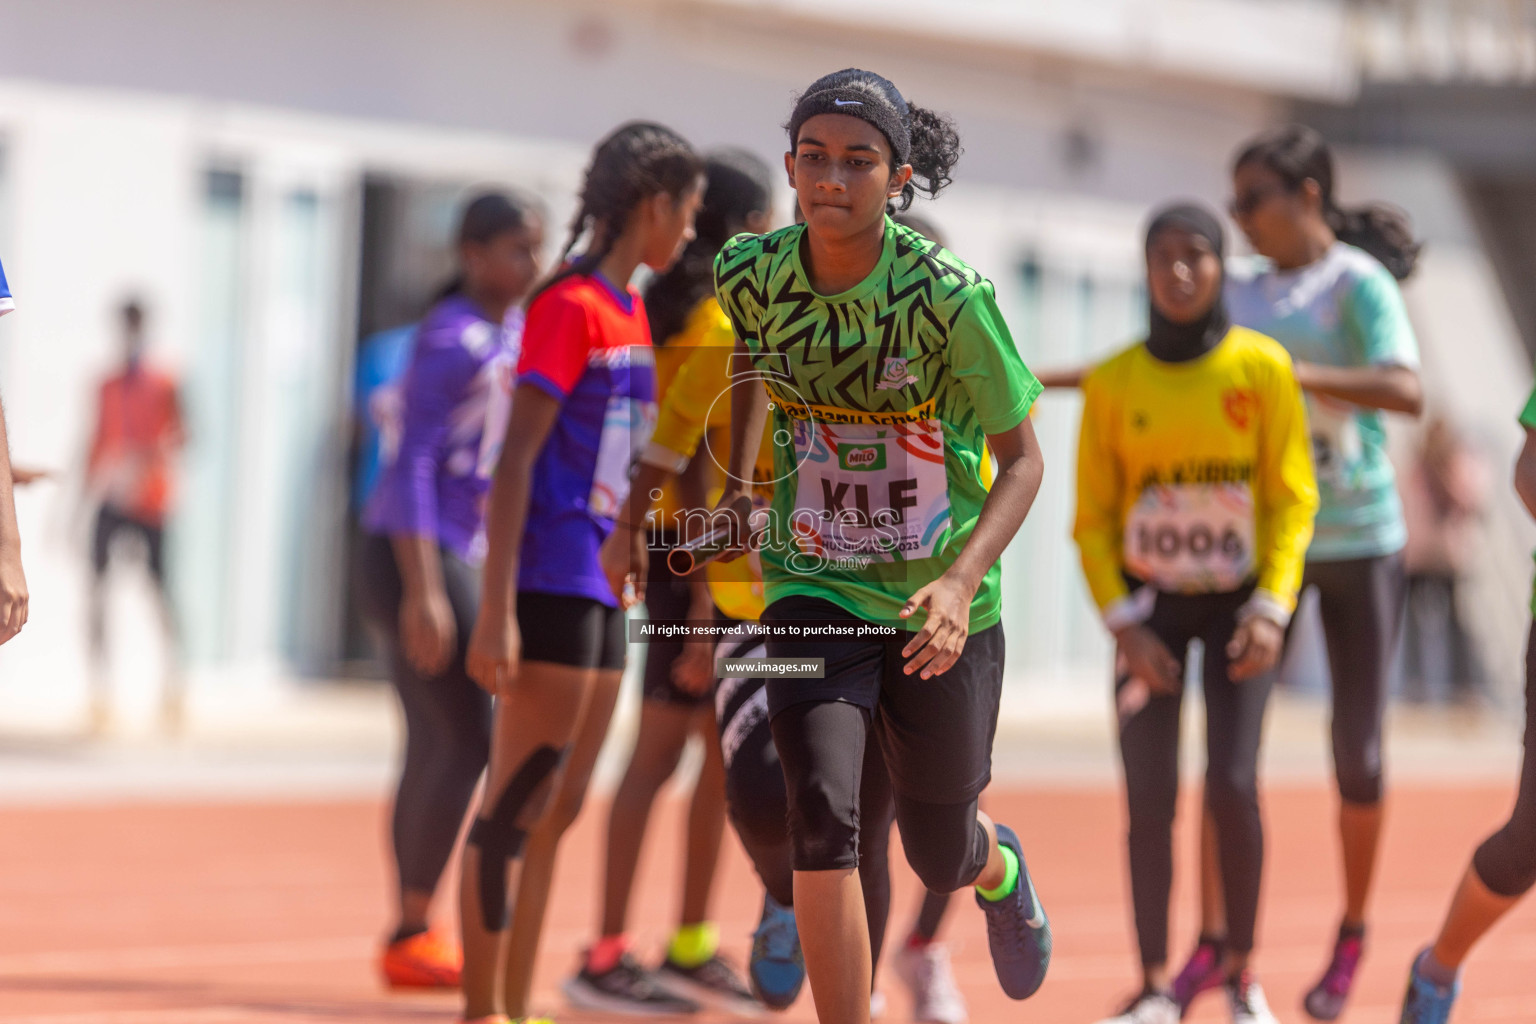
[[899, 179], [789, 168], [1312, 192]]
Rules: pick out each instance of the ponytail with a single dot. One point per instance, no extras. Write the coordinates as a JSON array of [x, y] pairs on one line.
[[634, 162], [1296, 153], [935, 151]]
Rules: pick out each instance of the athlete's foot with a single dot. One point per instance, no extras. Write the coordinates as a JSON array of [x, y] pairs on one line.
[[926, 972], [1246, 999], [1151, 1007], [1018, 931], [427, 959], [777, 967], [713, 983], [1427, 1001], [625, 988], [1327, 998], [1201, 973]]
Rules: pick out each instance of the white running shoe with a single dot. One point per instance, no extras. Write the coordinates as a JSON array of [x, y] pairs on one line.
[[876, 1005], [1147, 1008], [925, 970], [1246, 997]]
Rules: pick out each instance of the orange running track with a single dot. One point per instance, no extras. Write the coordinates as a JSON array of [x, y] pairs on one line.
[[245, 913]]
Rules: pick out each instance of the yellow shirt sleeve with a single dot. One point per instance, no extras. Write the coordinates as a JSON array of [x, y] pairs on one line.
[[1097, 527], [703, 377], [1287, 500]]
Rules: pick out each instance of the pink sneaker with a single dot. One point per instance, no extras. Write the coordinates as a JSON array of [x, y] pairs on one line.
[[1201, 973], [1327, 998]]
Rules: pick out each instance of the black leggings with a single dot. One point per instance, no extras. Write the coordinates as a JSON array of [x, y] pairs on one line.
[[1360, 601], [447, 718], [827, 751], [1149, 747], [758, 803], [1506, 862]]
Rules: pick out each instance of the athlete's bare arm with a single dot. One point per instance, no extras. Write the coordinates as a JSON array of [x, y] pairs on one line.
[[1393, 388], [13, 582]]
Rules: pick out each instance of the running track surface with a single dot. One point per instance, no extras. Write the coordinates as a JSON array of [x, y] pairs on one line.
[[248, 913]]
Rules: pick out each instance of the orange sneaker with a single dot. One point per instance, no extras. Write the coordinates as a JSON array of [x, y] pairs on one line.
[[427, 960]]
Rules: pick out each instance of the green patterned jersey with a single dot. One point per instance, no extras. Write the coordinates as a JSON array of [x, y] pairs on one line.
[[882, 397]]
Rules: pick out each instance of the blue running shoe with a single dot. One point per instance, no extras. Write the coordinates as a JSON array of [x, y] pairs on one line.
[[777, 967], [1018, 931], [1425, 1001]]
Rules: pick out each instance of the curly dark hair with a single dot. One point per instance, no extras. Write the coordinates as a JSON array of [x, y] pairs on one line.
[[637, 160]]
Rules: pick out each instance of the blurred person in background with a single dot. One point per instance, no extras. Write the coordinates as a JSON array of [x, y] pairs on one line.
[[13, 582], [1195, 498], [130, 481], [550, 639], [1503, 868], [679, 681], [1325, 285], [377, 413], [1444, 493], [418, 565]]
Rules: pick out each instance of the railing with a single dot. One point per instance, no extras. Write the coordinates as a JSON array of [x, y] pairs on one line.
[[1446, 41]]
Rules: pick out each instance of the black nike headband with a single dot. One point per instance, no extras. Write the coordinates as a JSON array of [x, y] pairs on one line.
[[861, 94]]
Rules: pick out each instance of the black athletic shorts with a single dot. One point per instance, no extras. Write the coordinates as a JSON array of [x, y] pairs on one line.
[[936, 733], [109, 523], [667, 599], [575, 631]]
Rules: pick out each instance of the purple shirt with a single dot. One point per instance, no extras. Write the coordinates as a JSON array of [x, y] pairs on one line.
[[455, 398], [588, 346]]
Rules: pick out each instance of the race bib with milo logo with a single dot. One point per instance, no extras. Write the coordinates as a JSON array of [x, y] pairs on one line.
[[870, 492], [1191, 538]]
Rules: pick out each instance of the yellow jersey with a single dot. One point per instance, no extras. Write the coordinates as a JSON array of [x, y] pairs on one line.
[[703, 329], [698, 402], [1195, 477]]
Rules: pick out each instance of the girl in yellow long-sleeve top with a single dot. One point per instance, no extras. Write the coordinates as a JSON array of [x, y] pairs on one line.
[[1195, 504]]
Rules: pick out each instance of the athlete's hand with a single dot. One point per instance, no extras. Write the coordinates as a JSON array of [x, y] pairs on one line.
[[13, 593], [624, 558], [737, 504], [427, 631], [694, 668], [495, 649], [1254, 648], [1147, 658], [937, 646]]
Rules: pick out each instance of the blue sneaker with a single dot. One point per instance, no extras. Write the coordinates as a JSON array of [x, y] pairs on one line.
[[1018, 931], [777, 967], [1426, 1002]]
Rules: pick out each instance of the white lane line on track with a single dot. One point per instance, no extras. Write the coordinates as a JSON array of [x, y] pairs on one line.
[[201, 955]]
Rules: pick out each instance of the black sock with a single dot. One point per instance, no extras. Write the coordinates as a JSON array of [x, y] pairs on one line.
[[1207, 939], [408, 931], [1351, 931]]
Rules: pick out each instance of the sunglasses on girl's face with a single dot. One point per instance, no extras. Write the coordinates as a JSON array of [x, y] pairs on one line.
[[1248, 202]]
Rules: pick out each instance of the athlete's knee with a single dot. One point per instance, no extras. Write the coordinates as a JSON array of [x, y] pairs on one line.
[[1232, 795], [1357, 761], [1359, 779], [823, 827], [946, 850], [500, 834], [1506, 860]]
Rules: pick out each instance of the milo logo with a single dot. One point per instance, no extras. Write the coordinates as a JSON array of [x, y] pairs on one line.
[[861, 456]]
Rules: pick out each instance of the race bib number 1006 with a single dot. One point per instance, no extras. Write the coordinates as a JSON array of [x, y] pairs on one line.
[[1191, 538]]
